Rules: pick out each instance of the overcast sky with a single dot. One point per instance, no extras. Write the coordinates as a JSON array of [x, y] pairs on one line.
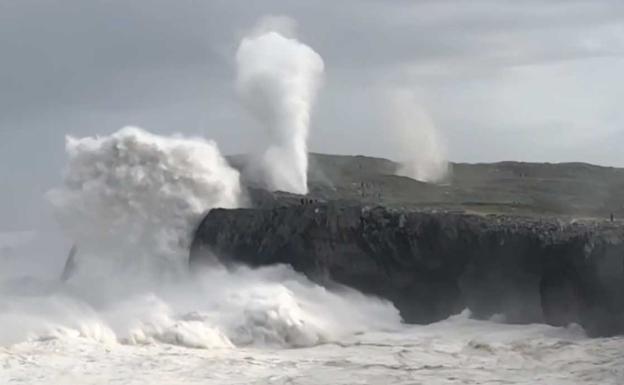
[[525, 80]]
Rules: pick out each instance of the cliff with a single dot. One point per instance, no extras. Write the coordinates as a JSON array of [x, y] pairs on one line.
[[516, 188], [432, 264]]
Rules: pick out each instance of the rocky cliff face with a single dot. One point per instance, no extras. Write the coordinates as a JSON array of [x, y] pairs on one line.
[[434, 264]]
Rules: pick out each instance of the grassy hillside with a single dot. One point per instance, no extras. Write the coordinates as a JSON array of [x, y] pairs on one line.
[[505, 187]]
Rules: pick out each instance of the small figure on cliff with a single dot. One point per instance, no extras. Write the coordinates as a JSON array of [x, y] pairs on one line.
[[611, 217]]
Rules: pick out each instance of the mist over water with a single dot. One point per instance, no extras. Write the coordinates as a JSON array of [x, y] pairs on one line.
[[137, 193], [418, 144], [131, 201], [277, 81], [131, 312]]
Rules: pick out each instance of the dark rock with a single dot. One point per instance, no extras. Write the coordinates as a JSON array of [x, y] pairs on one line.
[[434, 264]]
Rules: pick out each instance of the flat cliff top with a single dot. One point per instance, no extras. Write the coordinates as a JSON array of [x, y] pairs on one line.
[[292, 211], [565, 190]]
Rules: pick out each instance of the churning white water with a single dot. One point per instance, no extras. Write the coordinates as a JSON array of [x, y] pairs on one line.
[[130, 202], [456, 351], [130, 313], [141, 194]]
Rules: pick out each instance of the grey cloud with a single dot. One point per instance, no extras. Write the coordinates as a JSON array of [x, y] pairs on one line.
[[58, 52], [489, 72]]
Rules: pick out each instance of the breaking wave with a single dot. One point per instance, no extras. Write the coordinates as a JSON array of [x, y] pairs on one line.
[[131, 201]]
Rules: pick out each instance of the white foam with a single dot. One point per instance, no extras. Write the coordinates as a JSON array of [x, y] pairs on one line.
[[217, 308], [415, 140], [131, 202], [138, 193], [456, 351], [277, 80]]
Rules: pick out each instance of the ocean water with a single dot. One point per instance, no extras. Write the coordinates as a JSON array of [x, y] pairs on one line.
[[455, 351], [130, 312], [264, 326]]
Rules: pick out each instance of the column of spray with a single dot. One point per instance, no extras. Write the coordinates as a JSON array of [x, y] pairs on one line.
[[277, 81]]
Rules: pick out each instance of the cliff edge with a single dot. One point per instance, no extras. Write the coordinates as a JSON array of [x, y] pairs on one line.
[[432, 264]]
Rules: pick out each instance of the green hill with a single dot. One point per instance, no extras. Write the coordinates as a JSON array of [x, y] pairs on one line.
[[577, 189]]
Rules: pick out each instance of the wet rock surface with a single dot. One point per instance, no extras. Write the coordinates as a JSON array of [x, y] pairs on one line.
[[434, 263]]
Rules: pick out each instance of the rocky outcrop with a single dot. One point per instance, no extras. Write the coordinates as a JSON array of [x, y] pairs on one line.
[[433, 264]]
